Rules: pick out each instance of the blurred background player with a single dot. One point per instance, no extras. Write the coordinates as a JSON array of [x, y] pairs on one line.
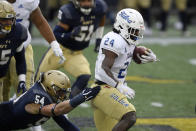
[[12, 36], [181, 5], [144, 8], [112, 110], [77, 21], [47, 98], [25, 11]]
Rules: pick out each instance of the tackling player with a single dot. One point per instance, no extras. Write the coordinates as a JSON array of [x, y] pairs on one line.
[[29, 10], [12, 36], [77, 21], [112, 110], [47, 98]]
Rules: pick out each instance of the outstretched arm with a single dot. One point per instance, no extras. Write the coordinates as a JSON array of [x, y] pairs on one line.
[[65, 106]]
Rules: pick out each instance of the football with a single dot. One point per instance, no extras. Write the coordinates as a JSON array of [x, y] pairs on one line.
[[138, 50]]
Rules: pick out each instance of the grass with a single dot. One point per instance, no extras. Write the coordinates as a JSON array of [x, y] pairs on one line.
[[170, 82]]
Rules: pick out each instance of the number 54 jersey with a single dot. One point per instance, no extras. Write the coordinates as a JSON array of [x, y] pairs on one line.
[[116, 44]]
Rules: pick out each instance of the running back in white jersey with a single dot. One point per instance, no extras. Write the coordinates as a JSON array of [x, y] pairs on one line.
[[115, 43], [23, 9]]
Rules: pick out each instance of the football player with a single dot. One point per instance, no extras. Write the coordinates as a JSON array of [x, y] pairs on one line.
[[112, 110], [181, 6], [47, 98], [12, 36], [25, 11], [77, 21]]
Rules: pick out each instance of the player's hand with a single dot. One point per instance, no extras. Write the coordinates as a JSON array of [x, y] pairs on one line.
[[57, 51], [127, 91], [149, 57], [97, 45], [90, 93], [75, 31], [21, 87]]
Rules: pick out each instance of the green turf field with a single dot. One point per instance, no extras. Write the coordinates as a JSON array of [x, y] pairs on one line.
[[165, 91], [170, 84]]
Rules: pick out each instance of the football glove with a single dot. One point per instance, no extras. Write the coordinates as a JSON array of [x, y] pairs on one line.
[[124, 89], [76, 31], [90, 93], [149, 57], [57, 51], [97, 45], [21, 87]]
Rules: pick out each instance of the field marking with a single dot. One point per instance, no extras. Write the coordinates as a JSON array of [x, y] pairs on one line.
[[183, 124], [155, 81], [146, 41]]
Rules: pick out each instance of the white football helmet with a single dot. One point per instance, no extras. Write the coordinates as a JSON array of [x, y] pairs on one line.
[[85, 9], [130, 25]]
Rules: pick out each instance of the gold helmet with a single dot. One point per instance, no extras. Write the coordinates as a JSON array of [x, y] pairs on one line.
[[7, 17], [57, 84]]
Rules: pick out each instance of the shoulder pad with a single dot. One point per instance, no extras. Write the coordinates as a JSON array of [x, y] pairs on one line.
[[66, 11], [101, 6], [31, 4], [21, 32], [111, 42]]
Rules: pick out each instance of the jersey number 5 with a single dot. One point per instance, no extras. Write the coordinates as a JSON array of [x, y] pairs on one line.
[[4, 56]]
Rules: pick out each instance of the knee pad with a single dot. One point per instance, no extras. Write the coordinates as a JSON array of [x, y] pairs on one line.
[[79, 85]]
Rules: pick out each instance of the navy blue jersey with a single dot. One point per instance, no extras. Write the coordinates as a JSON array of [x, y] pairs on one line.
[[12, 45], [71, 16], [13, 115]]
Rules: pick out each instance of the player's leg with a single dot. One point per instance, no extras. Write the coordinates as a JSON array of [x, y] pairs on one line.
[[6, 86], [1, 90], [127, 121], [116, 106], [48, 62], [102, 121], [78, 66], [165, 5], [182, 5]]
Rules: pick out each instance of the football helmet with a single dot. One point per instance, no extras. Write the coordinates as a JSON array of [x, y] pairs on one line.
[[7, 17], [85, 6], [130, 25], [57, 85]]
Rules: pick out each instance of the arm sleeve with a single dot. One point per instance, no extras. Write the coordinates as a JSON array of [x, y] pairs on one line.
[[61, 35], [65, 124], [20, 62]]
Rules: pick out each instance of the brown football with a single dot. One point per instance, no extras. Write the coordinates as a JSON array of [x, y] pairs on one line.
[[138, 50]]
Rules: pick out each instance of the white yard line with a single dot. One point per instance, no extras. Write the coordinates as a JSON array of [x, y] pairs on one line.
[[150, 40]]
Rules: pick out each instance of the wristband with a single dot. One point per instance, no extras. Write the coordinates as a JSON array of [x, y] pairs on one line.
[[77, 100], [40, 108], [52, 110]]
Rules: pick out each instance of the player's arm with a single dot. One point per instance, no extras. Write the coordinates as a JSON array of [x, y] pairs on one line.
[[107, 65], [99, 33], [20, 62], [62, 34], [45, 30], [65, 106]]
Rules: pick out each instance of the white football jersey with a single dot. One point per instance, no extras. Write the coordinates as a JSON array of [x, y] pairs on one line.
[[23, 9], [115, 43]]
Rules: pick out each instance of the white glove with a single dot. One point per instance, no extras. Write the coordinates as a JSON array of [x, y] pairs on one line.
[[57, 51], [149, 57], [127, 91]]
